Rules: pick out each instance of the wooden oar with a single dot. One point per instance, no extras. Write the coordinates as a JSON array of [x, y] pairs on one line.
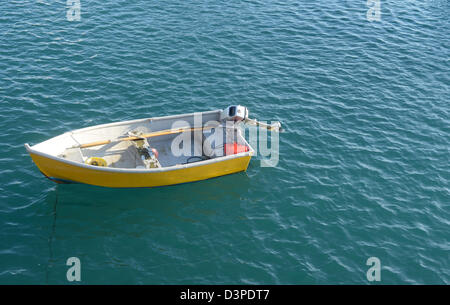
[[145, 135]]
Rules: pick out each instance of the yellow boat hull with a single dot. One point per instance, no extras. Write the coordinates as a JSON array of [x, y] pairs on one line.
[[60, 171]]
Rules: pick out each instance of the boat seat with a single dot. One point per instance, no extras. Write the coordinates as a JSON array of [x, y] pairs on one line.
[[73, 154]]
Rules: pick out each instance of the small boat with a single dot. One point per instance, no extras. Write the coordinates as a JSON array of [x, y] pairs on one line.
[[150, 152]]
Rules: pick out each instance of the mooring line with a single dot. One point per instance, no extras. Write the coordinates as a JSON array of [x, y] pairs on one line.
[[50, 239]]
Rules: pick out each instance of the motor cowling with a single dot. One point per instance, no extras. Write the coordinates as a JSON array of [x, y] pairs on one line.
[[234, 113]]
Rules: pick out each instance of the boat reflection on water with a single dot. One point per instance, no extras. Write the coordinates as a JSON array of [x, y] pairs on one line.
[[89, 221]]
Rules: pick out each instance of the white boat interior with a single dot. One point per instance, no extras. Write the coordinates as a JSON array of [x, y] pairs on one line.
[[208, 142]]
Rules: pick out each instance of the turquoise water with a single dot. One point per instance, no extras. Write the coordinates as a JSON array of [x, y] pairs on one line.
[[364, 161]]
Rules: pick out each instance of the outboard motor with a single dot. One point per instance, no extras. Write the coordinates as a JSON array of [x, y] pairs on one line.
[[234, 113]]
